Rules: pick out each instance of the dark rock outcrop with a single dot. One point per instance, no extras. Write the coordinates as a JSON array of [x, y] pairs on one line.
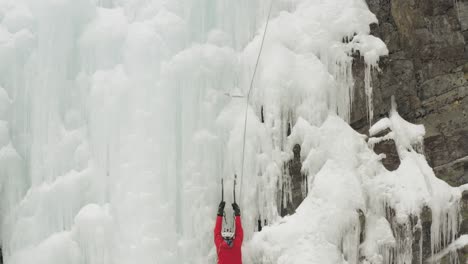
[[426, 222], [463, 254], [464, 214], [391, 161], [297, 183], [426, 71]]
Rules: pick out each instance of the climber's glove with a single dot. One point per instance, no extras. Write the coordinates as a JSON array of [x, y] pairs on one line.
[[221, 208], [236, 209]]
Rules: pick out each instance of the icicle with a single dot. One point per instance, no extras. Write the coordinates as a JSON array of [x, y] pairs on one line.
[[387, 253], [340, 66], [350, 242], [444, 228], [342, 72], [369, 92]]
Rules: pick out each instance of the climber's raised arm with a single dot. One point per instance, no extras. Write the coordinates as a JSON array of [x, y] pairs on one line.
[[239, 235], [218, 239]]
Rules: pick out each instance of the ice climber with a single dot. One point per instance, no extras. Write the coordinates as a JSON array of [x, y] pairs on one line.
[[228, 244]]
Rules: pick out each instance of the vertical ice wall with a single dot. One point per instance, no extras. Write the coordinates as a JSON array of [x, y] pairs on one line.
[[125, 114]]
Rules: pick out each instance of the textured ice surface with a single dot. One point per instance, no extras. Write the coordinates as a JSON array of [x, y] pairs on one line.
[[120, 117]]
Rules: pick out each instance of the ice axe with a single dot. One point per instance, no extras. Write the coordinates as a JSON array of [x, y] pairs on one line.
[[222, 189], [234, 189]]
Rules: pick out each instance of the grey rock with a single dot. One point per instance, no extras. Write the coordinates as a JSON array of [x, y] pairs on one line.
[[297, 178], [427, 72], [298, 183], [464, 214], [442, 84], [392, 160], [426, 222]]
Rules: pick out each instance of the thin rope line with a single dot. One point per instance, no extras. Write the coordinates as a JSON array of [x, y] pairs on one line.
[[248, 97]]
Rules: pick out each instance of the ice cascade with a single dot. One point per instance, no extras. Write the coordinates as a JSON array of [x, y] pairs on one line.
[[118, 119]]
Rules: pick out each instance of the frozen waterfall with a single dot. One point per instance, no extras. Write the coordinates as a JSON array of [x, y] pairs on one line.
[[118, 119]]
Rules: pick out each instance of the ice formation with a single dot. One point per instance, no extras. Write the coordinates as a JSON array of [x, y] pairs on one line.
[[461, 242], [348, 179], [120, 117]]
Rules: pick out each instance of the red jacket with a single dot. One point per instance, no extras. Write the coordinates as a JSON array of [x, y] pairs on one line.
[[227, 254]]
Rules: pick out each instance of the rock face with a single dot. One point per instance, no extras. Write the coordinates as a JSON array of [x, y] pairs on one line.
[[464, 214], [297, 183], [426, 71], [297, 178]]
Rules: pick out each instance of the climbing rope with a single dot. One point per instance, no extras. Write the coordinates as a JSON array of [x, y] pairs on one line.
[[248, 97]]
